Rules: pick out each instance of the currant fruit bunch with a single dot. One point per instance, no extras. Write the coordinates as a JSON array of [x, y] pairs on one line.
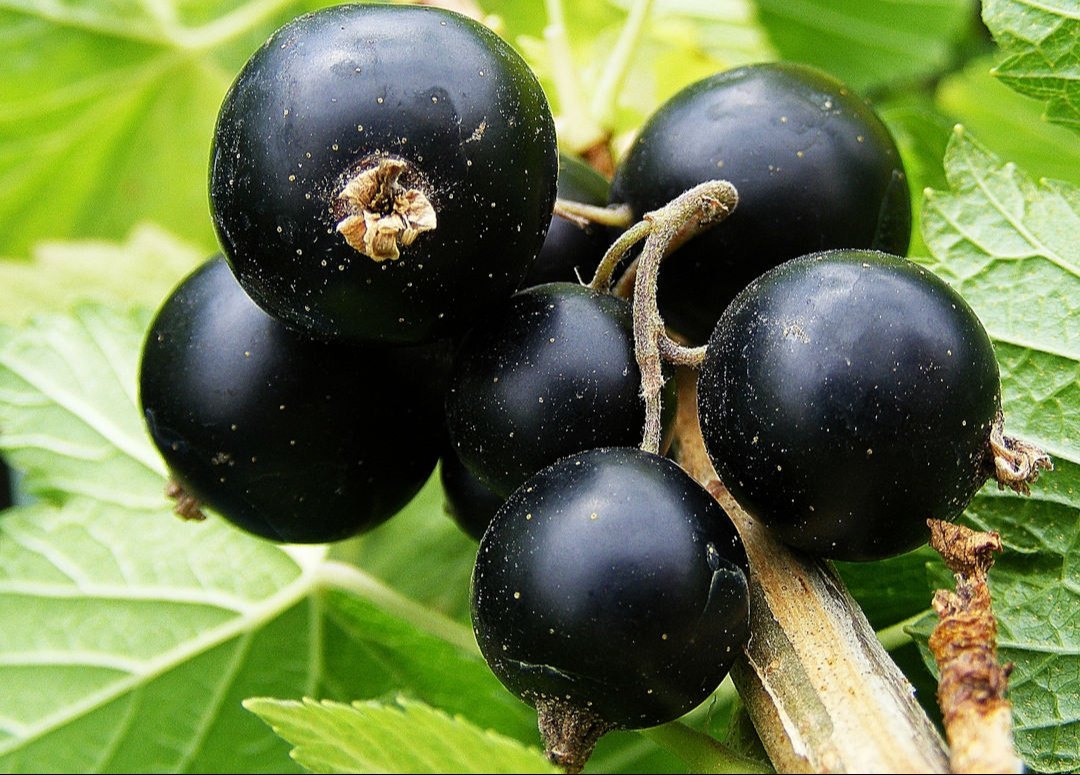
[[382, 183]]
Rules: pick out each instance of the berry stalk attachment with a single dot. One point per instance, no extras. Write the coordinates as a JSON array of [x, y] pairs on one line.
[[663, 230]]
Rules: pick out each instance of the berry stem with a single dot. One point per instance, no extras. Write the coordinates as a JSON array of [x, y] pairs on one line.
[[581, 215], [1016, 463], [686, 215], [680, 355], [602, 278]]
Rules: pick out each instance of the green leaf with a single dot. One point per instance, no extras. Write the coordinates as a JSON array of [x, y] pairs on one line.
[[421, 553], [892, 590], [396, 656], [1008, 244], [868, 45], [68, 409], [1041, 43], [107, 110], [1007, 122], [141, 270], [131, 637], [403, 737], [1035, 587]]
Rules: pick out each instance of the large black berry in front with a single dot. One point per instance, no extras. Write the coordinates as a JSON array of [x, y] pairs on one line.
[[551, 372], [814, 166], [847, 397], [382, 172], [292, 439], [612, 583]]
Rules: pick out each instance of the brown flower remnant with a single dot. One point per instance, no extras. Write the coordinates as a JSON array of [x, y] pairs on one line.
[[187, 506], [971, 687], [383, 213]]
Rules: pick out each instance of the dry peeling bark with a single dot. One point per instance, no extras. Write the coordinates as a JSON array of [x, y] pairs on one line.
[[823, 694], [971, 687]]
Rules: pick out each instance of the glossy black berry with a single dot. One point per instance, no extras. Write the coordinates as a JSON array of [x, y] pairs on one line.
[[614, 584], [382, 172], [551, 372], [290, 438], [847, 397], [571, 253], [468, 501], [814, 166]]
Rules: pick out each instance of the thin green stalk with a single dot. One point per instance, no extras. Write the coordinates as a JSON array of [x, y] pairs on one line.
[[700, 752], [349, 578], [602, 279], [583, 215], [577, 129], [606, 96], [894, 636]]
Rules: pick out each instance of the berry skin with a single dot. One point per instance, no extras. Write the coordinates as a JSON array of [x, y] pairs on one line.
[[814, 166], [847, 397], [613, 583], [569, 251], [469, 502], [552, 372], [290, 438], [382, 173]]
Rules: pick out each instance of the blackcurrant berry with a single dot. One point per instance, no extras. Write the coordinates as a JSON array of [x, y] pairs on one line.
[[551, 372], [469, 502], [846, 397], [382, 172], [814, 166], [571, 253], [290, 438], [613, 588]]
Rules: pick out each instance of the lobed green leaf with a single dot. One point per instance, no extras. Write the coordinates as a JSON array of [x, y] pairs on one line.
[[868, 45], [1008, 243], [107, 110], [1041, 47], [405, 736], [131, 637], [140, 270]]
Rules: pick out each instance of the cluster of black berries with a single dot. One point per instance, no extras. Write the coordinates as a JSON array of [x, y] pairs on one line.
[[382, 183]]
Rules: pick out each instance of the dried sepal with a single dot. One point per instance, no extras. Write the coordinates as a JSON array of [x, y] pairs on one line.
[[384, 215]]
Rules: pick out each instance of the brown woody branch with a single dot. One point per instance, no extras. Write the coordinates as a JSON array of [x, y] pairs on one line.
[[823, 694], [971, 686]]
